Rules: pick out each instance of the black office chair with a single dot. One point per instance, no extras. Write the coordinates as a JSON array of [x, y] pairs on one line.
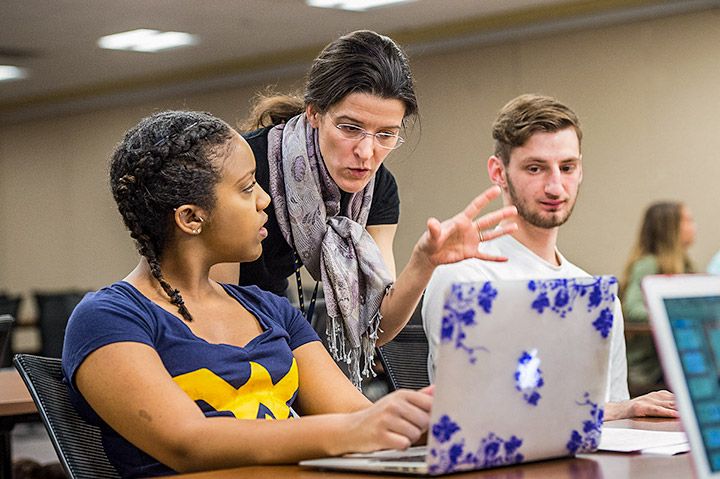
[[54, 310], [6, 323], [405, 359], [9, 305], [77, 443]]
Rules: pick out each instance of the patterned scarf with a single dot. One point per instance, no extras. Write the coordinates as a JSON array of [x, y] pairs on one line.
[[335, 249]]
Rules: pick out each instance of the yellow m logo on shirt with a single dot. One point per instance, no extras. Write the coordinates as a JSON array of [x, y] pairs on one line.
[[245, 401]]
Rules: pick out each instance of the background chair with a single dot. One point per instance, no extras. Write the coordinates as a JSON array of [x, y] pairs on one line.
[[77, 443], [405, 359], [6, 323], [8, 305], [54, 310]]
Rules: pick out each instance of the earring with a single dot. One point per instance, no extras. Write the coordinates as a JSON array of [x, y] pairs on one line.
[[198, 230]]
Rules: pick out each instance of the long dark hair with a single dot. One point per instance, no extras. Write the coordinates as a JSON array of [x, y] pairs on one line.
[[660, 237], [164, 162], [359, 62]]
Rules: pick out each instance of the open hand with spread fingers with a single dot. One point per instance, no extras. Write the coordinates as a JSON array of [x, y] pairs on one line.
[[458, 238]]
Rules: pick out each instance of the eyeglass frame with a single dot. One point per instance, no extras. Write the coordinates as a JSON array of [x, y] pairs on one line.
[[364, 134]]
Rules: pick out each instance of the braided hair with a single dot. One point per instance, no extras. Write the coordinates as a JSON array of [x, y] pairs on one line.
[[164, 162]]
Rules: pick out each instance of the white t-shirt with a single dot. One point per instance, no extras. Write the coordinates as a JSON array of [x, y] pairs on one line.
[[522, 264]]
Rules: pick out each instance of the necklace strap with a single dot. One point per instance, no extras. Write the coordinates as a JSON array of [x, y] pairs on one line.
[[301, 299]]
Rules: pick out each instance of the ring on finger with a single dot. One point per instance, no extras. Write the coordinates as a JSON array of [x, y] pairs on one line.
[[479, 232]]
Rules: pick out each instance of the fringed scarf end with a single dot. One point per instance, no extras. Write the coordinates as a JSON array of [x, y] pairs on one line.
[[341, 351]]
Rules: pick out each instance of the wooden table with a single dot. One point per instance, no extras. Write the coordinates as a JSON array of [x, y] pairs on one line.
[[16, 406], [600, 465]]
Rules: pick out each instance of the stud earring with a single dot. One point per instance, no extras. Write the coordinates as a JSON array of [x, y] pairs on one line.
[[198, 230]]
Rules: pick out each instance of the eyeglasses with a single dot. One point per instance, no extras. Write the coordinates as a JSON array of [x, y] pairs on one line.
[[389, 141]]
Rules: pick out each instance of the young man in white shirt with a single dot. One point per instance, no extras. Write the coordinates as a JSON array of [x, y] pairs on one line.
[[538, 165]]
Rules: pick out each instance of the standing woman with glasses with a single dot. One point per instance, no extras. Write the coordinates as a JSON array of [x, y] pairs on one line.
[[335, 206]]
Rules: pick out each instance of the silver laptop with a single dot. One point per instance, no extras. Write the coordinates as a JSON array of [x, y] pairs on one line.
[[521, 376], [685, 318]]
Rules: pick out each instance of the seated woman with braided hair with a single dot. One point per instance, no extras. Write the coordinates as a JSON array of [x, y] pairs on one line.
[[175, 368]]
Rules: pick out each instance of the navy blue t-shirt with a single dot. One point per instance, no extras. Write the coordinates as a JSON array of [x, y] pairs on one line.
[[263, 375]]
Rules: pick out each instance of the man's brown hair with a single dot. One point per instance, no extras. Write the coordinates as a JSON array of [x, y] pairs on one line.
[[526, 115]]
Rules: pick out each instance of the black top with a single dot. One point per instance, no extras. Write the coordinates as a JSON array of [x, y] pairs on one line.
[[276, 262]]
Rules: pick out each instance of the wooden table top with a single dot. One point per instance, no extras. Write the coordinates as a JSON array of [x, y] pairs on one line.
[[600, 465], [15, 399]]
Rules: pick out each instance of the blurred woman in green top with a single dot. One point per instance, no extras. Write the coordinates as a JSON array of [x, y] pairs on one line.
[[667, 231]]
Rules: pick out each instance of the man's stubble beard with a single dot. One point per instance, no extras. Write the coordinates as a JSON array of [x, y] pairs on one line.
[[535, 219]]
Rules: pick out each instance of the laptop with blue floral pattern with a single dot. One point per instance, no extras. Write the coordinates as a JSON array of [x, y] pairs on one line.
[[521, 376]]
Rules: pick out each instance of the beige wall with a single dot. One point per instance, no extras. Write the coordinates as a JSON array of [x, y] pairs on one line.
[[648, 95]]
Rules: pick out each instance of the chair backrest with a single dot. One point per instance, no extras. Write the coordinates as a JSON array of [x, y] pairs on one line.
[[8, 305], [405, 359], [54, 310], [6, 322], [77, 443]]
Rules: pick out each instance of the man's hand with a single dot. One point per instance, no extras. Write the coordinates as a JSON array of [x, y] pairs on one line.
[[655, 404]]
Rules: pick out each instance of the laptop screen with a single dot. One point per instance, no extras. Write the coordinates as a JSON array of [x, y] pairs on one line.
[[695, 325]]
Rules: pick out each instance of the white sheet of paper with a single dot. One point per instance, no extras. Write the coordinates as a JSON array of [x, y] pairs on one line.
[[667, 450], [631, 440]]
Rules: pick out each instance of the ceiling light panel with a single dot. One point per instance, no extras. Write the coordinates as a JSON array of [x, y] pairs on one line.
[[147, 40], [354, 5]]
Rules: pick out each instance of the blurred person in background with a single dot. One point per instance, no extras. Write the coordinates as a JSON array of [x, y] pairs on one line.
[[667, 231]]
